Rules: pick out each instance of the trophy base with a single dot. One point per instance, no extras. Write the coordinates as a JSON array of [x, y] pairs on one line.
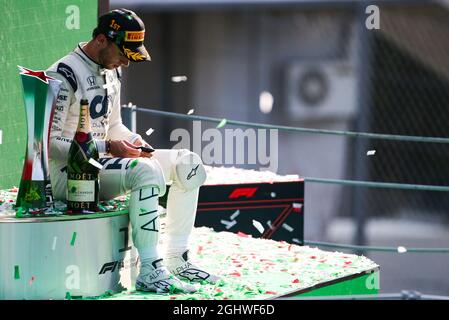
[[46, 258], [34, 197]]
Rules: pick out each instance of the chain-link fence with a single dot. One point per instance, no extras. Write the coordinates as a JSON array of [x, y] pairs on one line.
[[409, 95]]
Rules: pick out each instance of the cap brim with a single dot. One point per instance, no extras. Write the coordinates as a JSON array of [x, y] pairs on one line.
[[138, 54]]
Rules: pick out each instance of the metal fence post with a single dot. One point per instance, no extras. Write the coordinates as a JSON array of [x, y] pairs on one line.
[[360, 194], [129, 116]]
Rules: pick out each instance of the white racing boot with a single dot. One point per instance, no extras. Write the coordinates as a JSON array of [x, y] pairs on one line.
[[184, 269], [154, 277]]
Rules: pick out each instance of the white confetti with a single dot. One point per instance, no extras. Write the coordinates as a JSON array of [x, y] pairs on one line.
[[191, 111], [54, 243], [269, 224], [258, 226], [149, 131], [402, 249], [296, 240], [95, 163], [297, 205], [228, 224], [234, 215], [371, 152], [266, 102], [273, 194], [178, 78], [287, 227]]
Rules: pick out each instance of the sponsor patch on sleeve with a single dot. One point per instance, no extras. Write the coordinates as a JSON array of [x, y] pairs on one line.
[[68, 74]]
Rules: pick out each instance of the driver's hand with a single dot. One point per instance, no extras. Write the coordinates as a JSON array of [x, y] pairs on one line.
[[140, 142], [123, 149]]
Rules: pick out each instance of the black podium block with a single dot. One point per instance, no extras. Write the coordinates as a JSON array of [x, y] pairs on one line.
[[263, 210]]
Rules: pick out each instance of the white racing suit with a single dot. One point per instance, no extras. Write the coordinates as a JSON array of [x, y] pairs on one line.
[[146, 181]]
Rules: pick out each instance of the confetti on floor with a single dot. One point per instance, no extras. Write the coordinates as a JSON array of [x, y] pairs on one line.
[[254, 268], [8, 199], [250, 268]]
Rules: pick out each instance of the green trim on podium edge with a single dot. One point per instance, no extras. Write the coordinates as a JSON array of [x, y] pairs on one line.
[[357, 284]]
